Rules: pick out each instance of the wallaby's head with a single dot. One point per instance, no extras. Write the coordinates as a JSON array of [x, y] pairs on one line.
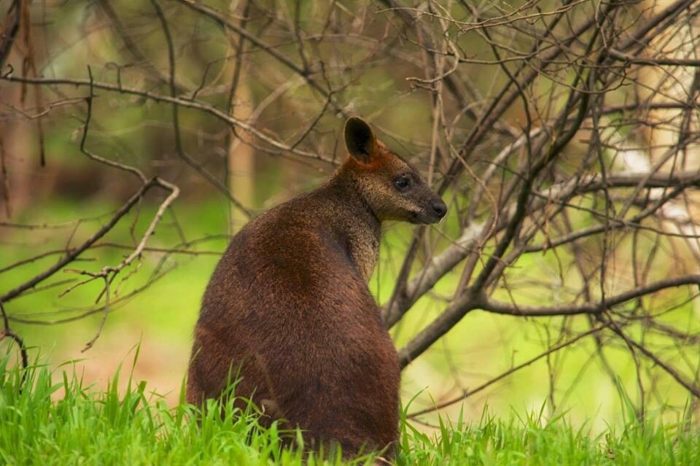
[[392, 188]]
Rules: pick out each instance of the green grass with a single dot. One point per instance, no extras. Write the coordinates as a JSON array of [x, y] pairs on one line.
[[56, 420], [530, 441]]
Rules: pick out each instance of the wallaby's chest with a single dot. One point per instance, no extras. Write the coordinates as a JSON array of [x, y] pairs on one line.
[[364, 251]]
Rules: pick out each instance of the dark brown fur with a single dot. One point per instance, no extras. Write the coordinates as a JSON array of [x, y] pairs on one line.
[[289, 312]]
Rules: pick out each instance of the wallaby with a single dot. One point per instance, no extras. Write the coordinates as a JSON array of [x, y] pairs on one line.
[[288, 311]]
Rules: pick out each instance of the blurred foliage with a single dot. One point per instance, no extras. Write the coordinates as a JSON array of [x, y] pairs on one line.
[[368, 62]]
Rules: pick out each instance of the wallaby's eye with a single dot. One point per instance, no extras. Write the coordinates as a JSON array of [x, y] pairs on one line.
[[403, 182]]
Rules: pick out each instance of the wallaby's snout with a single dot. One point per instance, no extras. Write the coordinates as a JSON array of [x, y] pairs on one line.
[[432, 208], [439, 209], [391, 186], [425, 207]]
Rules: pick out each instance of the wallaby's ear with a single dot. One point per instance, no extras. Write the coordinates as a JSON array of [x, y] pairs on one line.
[[359, 139]]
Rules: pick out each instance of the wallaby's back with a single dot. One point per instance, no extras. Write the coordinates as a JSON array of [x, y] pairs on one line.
[[288, 311]]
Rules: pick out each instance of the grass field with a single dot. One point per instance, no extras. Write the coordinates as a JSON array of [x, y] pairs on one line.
[[57, 420]]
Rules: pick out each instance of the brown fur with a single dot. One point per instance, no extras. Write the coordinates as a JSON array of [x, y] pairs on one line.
[[288, 309]]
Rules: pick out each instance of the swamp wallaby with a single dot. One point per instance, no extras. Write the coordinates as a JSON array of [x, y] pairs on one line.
[[288, 311]]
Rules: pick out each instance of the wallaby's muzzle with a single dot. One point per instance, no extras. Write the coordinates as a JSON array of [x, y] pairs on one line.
[[433, 212], [439, 209]]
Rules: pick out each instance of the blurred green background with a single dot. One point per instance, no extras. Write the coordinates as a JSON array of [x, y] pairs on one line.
[[52, 208]]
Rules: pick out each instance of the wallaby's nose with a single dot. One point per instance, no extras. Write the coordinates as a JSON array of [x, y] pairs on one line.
[[439, 208]]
